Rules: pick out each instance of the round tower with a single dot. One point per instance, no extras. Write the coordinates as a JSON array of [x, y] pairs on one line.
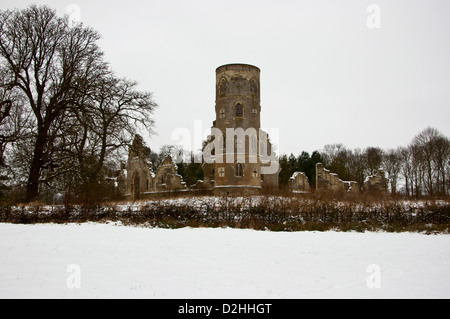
[[238, 118], [237, 96]]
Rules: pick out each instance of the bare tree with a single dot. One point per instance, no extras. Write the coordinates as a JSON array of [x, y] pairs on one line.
[[105, 120], [407, 169], [374, 159], [14, 117], [48, 60], [441, 159], [392, 164], [431, 152], [337, 159], [357, 164]]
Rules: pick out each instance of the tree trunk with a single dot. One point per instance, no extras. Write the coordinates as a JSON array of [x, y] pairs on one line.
[[36, 167]]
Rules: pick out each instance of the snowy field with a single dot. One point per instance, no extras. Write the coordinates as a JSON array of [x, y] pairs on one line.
[[113, 261]]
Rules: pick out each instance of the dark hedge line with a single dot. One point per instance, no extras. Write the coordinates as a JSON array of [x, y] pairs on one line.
[[275, 214]]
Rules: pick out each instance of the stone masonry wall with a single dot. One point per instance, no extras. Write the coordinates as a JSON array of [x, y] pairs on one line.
[[327, 181], [299, 183], [376, 183]]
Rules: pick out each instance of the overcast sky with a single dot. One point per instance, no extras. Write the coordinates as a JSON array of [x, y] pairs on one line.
[[332, 71]]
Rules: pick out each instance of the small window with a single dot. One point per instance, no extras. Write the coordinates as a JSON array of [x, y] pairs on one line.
[[222, 113], [238, 170], [254, 111], [239, 110], [255, 173], [221, 171]]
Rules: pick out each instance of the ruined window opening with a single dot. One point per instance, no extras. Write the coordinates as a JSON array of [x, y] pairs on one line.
[[238, 170], [239, 110], [221, 171]]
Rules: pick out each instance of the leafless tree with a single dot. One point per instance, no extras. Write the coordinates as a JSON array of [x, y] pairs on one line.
[[392, 165], [441, 159], [104, 121], [407, 169], [14, 117], [47, 60], [80, 111], [432, 152], [357, 163], [374, 159]]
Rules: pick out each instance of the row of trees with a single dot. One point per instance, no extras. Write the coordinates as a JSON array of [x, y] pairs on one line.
[[64, 115], [421, 168]]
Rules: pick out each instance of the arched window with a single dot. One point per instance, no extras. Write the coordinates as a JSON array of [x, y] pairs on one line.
[[239, 110]]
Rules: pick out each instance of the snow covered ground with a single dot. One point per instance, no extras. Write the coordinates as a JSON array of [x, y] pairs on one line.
[[111, 261]]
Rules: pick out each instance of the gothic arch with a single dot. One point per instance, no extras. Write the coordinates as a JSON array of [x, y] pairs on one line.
[[238, 109], [239, 169]]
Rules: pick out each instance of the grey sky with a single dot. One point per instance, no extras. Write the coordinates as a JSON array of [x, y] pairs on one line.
[[326, 77]]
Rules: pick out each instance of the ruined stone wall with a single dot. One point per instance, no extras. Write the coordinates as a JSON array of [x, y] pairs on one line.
[[352, 187], [166, 177], [299, 183], [327, 181], [139, 172], [376, 183], [139, 181]]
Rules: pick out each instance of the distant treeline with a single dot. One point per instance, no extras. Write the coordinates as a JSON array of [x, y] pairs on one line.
[[421, 168]]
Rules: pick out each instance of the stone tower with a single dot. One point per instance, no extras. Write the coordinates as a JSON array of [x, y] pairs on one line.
[[236, 132]]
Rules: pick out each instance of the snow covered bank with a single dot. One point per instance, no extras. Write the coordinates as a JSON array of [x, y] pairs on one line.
[[109, 261]]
